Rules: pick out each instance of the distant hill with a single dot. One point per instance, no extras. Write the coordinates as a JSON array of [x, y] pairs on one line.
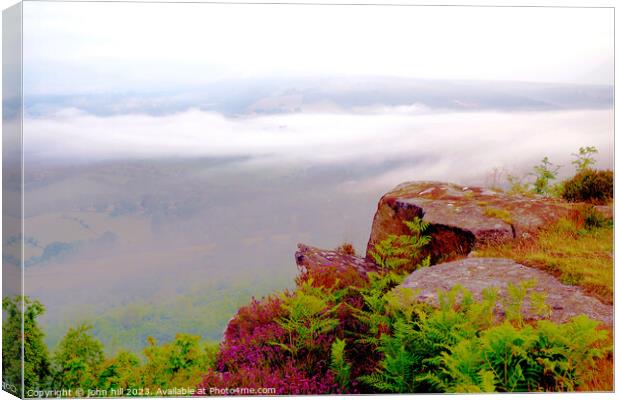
[[338, 93]]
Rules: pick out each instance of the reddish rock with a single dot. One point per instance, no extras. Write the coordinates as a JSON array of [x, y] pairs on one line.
[[475, 274], [462, 217], [308, 257]]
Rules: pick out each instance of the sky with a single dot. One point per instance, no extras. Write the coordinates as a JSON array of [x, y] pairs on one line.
[[101, 49], [125, 47]]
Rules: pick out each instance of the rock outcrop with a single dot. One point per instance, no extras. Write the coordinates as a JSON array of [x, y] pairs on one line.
[[462, 217], [308, 258], [475, 274]]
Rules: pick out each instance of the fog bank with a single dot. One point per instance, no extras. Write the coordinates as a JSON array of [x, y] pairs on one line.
[[449, 146]]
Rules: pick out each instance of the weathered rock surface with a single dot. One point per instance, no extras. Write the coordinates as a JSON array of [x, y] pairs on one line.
[[462, 217], [308, 257], [475, 274]]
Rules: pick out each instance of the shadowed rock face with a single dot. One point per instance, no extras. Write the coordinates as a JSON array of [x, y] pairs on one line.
[[462, 217], [475, 274]]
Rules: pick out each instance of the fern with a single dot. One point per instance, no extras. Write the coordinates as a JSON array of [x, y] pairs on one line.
[[307, 316], [459, 347], [339, 365], [397, 367], [397, 251], [513, 302], [389, 254]]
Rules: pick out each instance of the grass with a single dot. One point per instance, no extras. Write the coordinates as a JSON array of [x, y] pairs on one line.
[[576, 255], [603, 378], [468, 195], [499, 214]]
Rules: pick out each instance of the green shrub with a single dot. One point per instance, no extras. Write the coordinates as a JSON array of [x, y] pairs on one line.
[[585, 158], [518, 186], [36, 366], [120, 372], [177, 364], [593, 219], [78, 360], [540, 180], [591, 186], [544, 173]]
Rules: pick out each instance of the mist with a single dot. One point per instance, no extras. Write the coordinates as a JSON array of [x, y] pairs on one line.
[[455, 146]]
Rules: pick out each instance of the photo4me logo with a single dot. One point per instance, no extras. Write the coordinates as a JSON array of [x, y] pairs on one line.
[[238, 391]]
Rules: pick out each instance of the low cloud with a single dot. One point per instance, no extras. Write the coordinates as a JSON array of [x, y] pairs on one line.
[[456, 146]]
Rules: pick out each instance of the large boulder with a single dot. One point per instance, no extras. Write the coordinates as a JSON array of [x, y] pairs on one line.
[[475, 274], [462, 217]]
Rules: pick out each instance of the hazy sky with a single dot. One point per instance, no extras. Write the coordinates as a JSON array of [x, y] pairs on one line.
[[130, 48], [111, 47]]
